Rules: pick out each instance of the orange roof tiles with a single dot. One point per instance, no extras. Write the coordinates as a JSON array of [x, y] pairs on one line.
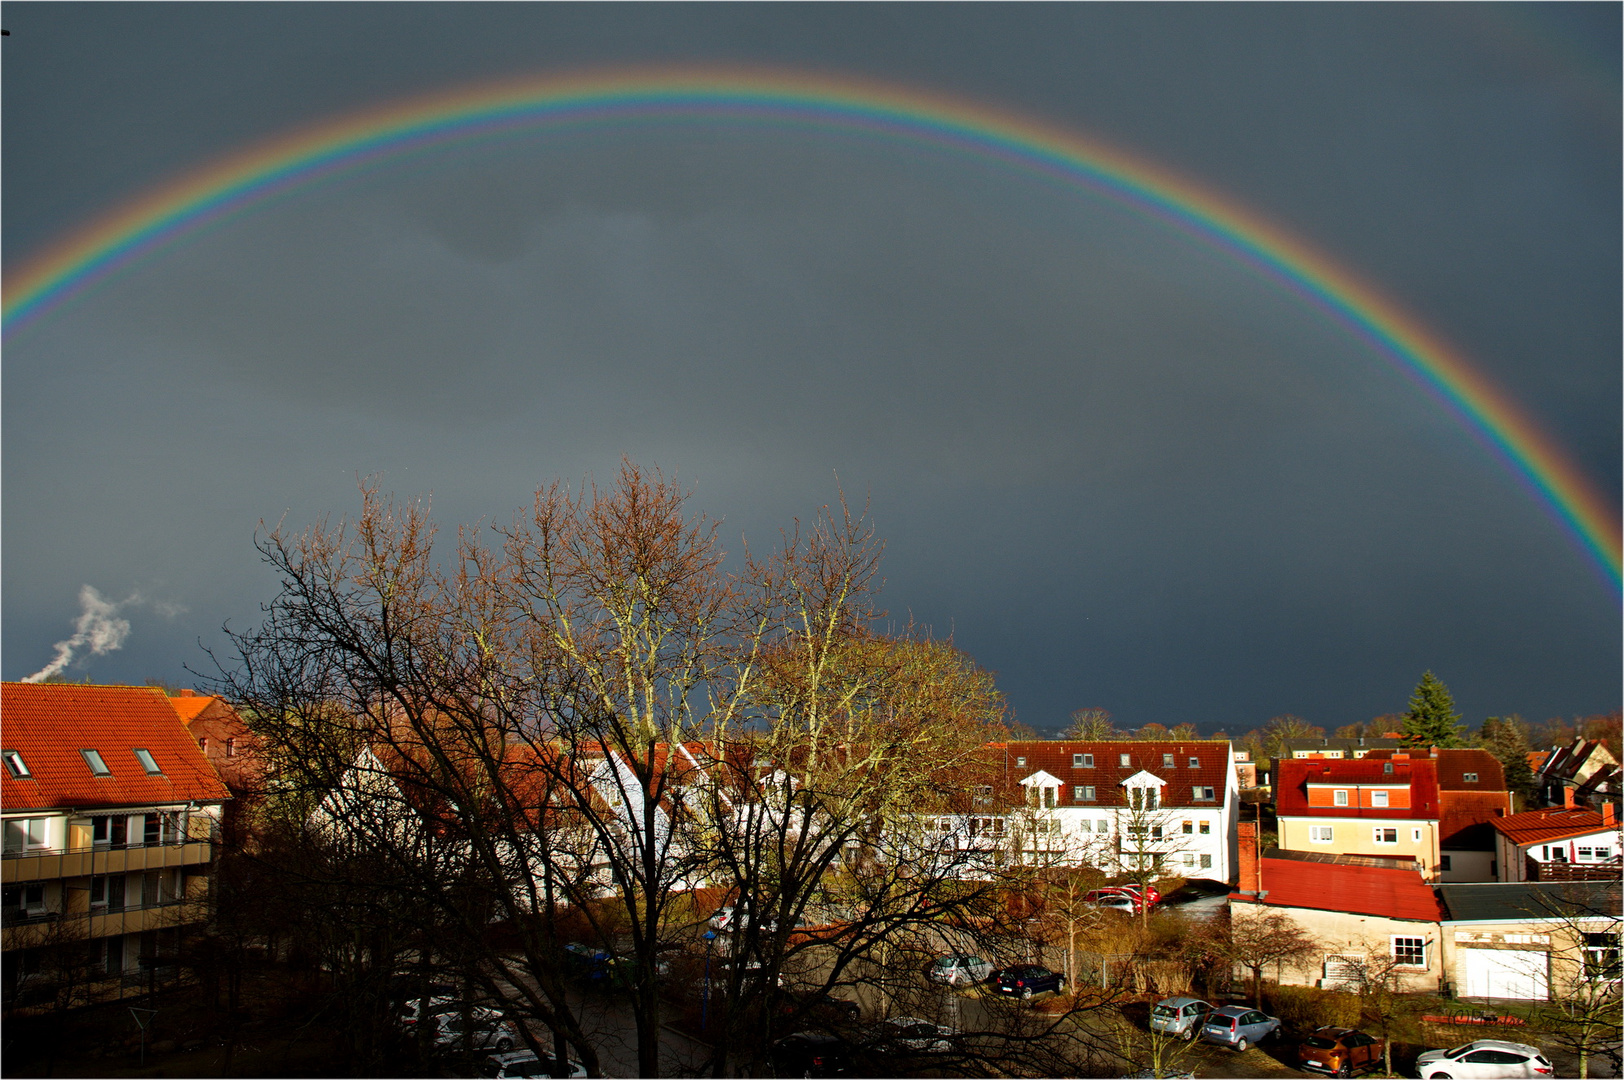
[[1419, 774], [1555, 823], [188, 705], [49, 723]]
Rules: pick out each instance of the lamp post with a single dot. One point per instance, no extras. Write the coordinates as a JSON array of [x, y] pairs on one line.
[[704, 999]]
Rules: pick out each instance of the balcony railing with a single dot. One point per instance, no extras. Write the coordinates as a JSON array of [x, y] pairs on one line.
[[103, 859], [44, 853]]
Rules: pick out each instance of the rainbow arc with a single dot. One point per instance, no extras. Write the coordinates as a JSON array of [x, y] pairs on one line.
[[236, 184]]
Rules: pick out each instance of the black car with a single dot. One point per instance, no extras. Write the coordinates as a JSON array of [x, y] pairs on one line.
[[811, 1053], [1024, 980]]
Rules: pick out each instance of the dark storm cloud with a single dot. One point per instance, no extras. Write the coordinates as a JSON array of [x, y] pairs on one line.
[[1122, 469]]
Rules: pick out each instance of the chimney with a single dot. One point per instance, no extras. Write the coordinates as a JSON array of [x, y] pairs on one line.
[[1247, 833], [187, 693], [1567, 797], [1607, 819]]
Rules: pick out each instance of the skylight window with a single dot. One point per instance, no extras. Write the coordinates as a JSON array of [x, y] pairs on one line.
[[148, 762], [14, 765], [98, 767]]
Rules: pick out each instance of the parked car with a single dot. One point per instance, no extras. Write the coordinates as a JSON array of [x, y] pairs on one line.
[[523, 1063], [1111, 896], [487, 1029], [1238, 1027], [818, 1009], [412, 1001], [587, 962], [955, 970], [908, 1034], [811, 1053], [1179, 1016], [1024, 980], [1483, 1058], [1340, 1051], [1112, 902]]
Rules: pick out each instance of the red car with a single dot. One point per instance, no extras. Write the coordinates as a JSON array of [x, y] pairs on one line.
[[1130, 893]]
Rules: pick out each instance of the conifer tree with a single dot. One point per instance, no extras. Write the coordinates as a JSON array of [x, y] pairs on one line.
[[1431, 719], [1507, 739]]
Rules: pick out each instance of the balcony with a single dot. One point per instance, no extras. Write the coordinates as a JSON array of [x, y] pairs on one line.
[[19, 867], [39, 928]]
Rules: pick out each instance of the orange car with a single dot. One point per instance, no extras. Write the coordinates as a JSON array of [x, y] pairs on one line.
[[1340, 1051]]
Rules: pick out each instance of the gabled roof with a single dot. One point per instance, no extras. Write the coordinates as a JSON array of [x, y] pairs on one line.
[[49, 723], [188, 705], [1464, 824], [1552, 823], [1360, 890], [1420, 775], [1515, 901], [1106, 776]]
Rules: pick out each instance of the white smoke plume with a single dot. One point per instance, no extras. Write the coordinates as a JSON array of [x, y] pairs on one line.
[[98, 630]]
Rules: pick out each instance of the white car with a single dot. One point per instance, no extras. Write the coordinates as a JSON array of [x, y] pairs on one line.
[[1483, 1058], [954, 970], [488, 1030], [522, 1063]]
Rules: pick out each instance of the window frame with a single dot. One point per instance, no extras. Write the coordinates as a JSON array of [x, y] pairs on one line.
[[95, 762], [1377, 831], [148, 762], [1412, 946], [1082, 793], [1167, 761], [15, 765], [1339, 797], [1328, 830]]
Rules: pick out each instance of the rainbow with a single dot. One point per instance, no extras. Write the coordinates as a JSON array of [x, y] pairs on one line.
[[853, 108]]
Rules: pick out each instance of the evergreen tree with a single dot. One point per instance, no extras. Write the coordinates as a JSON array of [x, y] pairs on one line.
[[1507, 739], [1431, 719]]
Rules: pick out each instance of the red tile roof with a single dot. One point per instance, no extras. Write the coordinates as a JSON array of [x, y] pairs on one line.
[[1420, 774], [1360, 890], [1554, 823], [187, 706], [49, 723], [1464, 825], [1214, 767]]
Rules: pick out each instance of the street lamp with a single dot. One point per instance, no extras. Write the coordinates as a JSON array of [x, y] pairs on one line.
[[704, 1000]]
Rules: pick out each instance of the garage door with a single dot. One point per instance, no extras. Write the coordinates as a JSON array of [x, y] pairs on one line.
[[1505, 973]]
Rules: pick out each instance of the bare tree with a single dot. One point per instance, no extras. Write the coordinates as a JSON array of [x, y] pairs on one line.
[[1257, 937], [1583, 1013], [1092, 725]]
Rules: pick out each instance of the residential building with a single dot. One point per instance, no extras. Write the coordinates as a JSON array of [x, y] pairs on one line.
[[1471, 793], [1368, 914], [1245, 770], [1112, 804], [1528, 940], [1560, 843], [233, 750], [110, 811], [1585, 768], [1336, 748], [1381, 808]]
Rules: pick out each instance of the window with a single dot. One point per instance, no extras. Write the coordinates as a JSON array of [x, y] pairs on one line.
[[1195, 763], [1206, 862], [1378, 798], [1189, 858], [1155, 832], [1020, 761], [1387, 768], [1601, 956], [983, 791], [14, 764], [1083, 793], [109, 830], [148, 762], [1603, 854], [203, 743], [1050, 797], [1205, 794], [21, 901], [27, 834], [1415, 835], [1385, 836], [1124, 759], [1189, 828], [1206, 828], [1142, 798], [1102, 826], [1339, 797], [1443, 863], [98, 767], [1167, 761], [1082, 826], [1082, 761], [1322, 834], [1410, 951], [1470, 778], [231, 748]]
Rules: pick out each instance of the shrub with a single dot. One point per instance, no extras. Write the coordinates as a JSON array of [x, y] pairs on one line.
[[1304, 1008]]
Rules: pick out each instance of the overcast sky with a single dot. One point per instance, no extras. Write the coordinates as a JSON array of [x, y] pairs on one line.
[[1121, 468]]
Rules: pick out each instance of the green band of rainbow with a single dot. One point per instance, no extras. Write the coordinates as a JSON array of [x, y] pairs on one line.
[[854, 108]]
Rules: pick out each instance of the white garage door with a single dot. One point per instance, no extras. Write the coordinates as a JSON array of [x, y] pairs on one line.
[[1505, 973]]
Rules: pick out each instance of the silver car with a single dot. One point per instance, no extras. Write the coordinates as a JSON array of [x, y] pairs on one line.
[[1179, 1016], [1238, 1027], [523, 1063], [488, 1029], [954, 970]]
